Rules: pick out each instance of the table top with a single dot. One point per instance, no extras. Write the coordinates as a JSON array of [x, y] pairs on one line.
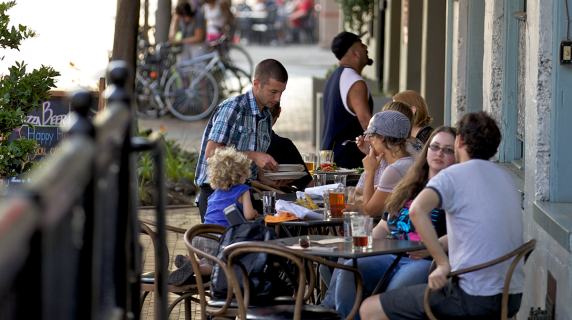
[[310, 223], [345, 249]]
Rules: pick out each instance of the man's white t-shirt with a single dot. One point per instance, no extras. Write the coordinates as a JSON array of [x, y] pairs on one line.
[[484, 222]]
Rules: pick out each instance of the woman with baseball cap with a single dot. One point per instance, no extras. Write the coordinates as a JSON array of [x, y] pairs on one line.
[[387, 135]]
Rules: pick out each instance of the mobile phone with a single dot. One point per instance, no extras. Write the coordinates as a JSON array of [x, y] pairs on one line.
[[234, 215]]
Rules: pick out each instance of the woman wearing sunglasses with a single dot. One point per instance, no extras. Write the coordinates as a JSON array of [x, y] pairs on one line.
[[436, 155]]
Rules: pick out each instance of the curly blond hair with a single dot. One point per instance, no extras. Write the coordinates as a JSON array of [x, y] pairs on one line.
[[227, 167]]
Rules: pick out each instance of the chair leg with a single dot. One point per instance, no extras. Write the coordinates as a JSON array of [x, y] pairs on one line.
[[143, 300], [187, 303], [185, 297]]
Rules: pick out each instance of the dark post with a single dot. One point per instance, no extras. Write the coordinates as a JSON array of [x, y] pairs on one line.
[[125, 40]]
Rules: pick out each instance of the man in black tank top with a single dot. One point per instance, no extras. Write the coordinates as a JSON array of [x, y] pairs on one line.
[[348, 105]]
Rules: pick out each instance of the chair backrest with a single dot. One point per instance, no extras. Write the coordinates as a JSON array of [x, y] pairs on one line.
[[523, 251], [298, 258], [206, 231]]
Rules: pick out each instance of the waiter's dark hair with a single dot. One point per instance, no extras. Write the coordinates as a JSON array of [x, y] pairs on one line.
[[270, 69]]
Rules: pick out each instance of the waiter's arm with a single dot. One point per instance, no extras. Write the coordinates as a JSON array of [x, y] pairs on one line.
[[262, 160], [358, 103]]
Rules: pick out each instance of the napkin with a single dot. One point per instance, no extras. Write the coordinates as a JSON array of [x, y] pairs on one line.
[[318, 192], [299, 211]]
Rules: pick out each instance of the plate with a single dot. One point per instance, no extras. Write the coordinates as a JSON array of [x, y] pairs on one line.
[[290, 167], [285, 175], [341, 172]]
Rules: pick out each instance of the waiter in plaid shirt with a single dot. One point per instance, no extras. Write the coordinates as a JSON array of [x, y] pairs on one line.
[[245, 123]]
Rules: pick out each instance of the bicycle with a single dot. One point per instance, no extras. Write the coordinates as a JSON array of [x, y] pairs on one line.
[[190, 87], [152, 98]]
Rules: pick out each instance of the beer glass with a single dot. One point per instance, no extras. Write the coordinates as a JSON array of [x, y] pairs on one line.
[[310, 161], [351, 195], [337, 202], [359, 232]]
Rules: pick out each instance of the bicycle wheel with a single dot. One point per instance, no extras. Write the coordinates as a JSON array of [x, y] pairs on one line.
[[191, 93], [145, 104], [235, 82], [240, 58]]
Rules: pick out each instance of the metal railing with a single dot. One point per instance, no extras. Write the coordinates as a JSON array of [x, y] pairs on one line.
[[69, 241]]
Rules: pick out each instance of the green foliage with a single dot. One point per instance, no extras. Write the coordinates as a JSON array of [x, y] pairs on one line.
[[178, 163], [11, 38], [357, 13], [20, 93], [13, 154]]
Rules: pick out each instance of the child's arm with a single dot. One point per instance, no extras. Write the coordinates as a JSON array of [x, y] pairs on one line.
[[249, 212]]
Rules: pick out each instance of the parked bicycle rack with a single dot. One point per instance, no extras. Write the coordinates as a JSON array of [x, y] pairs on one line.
[[69, 241]]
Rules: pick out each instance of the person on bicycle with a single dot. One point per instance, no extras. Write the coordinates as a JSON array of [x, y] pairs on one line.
[[218, 16], [191, 23]]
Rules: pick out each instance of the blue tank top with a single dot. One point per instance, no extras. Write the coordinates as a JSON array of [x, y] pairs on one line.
[[220, 200], [340, 125]]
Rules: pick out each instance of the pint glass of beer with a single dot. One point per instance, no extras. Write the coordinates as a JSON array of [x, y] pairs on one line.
[[310, 161], [359, 232], [337, 202]]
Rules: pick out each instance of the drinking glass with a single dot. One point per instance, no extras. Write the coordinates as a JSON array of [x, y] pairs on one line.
[[369, 230], [351, 195], [348, 224], [319, 179], [337, 202], [327, 212], [326, 156], [359, 232], [269, 202], [340, 178], [310, 161]]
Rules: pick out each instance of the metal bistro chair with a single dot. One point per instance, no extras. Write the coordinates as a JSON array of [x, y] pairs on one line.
[[523, 251], [297, 311], [223, 308], [148, 283]]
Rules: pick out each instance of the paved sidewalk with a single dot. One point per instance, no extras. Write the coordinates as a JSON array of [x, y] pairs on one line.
[[183, 218]]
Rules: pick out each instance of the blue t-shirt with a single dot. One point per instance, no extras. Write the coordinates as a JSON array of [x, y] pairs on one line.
[[220, 200]]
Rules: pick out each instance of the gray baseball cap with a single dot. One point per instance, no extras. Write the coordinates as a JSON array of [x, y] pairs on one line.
[[390, 124]]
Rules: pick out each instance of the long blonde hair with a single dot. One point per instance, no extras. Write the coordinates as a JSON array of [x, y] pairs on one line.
[[412, 98], [416, 177]]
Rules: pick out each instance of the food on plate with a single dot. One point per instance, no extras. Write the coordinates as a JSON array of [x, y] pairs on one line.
[[311, 202], [303, 203], [327, 167]]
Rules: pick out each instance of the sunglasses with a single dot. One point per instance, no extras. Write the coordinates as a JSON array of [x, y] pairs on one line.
[[436, 148]]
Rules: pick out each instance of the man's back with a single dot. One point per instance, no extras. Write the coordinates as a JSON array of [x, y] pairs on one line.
[[484, 222], [340, 123]]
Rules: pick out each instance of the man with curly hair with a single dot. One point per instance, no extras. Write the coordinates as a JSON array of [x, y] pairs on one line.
[[484, 222], [245, 123]]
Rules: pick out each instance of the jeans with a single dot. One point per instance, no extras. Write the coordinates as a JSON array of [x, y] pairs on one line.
[[408, 272]]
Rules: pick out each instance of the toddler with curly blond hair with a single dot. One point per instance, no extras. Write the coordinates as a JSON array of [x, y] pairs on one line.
[[227, 172]]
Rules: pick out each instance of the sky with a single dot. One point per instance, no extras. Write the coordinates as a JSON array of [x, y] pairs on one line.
[[76, 31]]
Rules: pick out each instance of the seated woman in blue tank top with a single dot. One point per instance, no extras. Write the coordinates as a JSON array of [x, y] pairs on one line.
[[227, 172]]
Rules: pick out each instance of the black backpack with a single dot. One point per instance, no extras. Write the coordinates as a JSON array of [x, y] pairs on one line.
[[265, 281]]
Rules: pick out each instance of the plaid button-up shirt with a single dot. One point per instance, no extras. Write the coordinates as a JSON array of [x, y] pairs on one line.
[[236, 122]]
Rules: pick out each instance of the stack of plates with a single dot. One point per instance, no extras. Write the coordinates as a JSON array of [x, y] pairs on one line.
[[287, 172]]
